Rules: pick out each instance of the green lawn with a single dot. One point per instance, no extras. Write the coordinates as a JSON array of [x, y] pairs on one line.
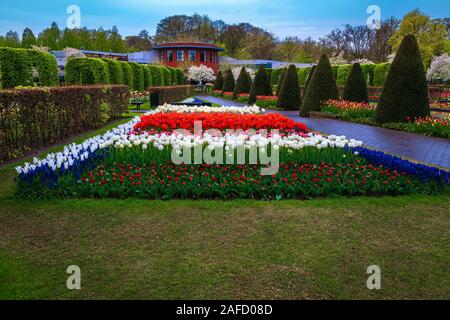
[[224, 250]]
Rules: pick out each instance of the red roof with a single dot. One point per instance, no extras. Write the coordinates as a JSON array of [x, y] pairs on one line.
[[168, 45]]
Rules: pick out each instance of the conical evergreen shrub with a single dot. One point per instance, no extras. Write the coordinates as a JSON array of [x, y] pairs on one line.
[[322, 87], [308, 80], [228, 82], [280, 80], [289, 97], [356, 86], [218, 84], [243, 83], [261, 85], [405, 91]]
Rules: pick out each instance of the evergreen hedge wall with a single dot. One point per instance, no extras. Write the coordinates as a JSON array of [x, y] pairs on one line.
[[86, 71], [115, 71], [380, 73]]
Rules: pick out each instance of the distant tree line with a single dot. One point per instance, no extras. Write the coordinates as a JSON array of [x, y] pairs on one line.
[[245, 41]]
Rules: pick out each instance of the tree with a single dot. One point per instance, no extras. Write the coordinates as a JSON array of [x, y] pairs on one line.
[[28, 38], [12, 39], [261, 85], [431, 36], [243, 84], [50, 37], [228, 82], [405, 92], [356, 86], [86, 39], [289, 97], [439, 69], [218, 84], [380, 48], [70, 39], [117, 44], [288, 49], [201, 74], [141, 42], [101, 42], [322, 87]]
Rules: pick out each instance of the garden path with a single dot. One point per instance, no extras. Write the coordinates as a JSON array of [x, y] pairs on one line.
[[430, 150]]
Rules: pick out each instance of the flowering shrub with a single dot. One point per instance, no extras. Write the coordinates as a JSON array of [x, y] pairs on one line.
[[237, 70], [172, 121], [348, 110], [432, 127], [201, 74], [439, 68]]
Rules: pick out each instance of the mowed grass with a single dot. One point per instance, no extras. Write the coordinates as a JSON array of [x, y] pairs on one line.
[[136, 249]]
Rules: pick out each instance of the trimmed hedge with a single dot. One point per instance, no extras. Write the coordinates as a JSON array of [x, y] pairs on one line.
[[148, 77], [322, 87], [228, 82], [243, 83], [280, 81], [115, 71], [46, 67], [311, 72], [86, 71], [356, 86], [343, 73], [218, 84], [275, 76], [127, 74], [138, 76], [261, 85], [405, 92], [35, 117], [172, 94], [380, 73], [167, 76], [157, 75], [303, 74], [289, 97], [181, 79]]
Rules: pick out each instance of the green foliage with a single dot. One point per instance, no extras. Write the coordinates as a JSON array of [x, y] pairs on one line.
[[16, 68], [343, 72], [280, 81], [127, 74], [218, 84], [157, 75], [311, 72], [86, 71], [275, 76], [138, 76], [380, 73], [303, 74], [405, 92], [181, 79], [289, 97], [261, 85], [322, 87], [243, 83], [167, 76], [335, 70], [115, 71], [228, 82], [148, 78], [356, 87], [368, 72]]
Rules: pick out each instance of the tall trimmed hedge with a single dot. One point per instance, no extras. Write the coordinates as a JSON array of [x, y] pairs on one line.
[[380, 73], [181, 79], [275, 76], [218, 84], [356, 86], [405, 92], [243, 83], [261, 85], [115, 71], [49, 115], [303, 74], [86, 71], [342, 74], [46, 67], [157, 75], [138, 76], [289, 97], [167, 76], [322, 87], [127, 74], [228, 82], [280, 81], [148, 77], [308, 81]]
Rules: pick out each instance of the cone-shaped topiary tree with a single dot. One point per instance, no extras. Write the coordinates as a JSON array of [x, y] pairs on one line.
[[261, 85], [289, 97], [228, 82], [356, 86], [280, 80], [322, 87], [405, 91], [243, 84], [308, 80], [218, 84]]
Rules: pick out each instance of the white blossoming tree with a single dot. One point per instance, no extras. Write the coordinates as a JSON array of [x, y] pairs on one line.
[[201, 74], [70, 53], [237, 71], [439, 68]]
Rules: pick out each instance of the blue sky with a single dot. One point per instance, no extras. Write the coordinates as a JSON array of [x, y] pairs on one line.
[[301, 18]]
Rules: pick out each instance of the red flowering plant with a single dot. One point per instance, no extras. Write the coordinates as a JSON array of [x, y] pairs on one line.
[[431, 126], [217, 93], [266, 101], [243, 97], [223, 121], [349, 110], [228, 95]]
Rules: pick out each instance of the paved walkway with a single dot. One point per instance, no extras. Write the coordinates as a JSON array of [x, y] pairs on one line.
[[435, 151]]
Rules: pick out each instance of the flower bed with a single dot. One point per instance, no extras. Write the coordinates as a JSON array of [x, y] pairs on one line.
[[268, 102], [145, 158], [202, 109], [348, 110]]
